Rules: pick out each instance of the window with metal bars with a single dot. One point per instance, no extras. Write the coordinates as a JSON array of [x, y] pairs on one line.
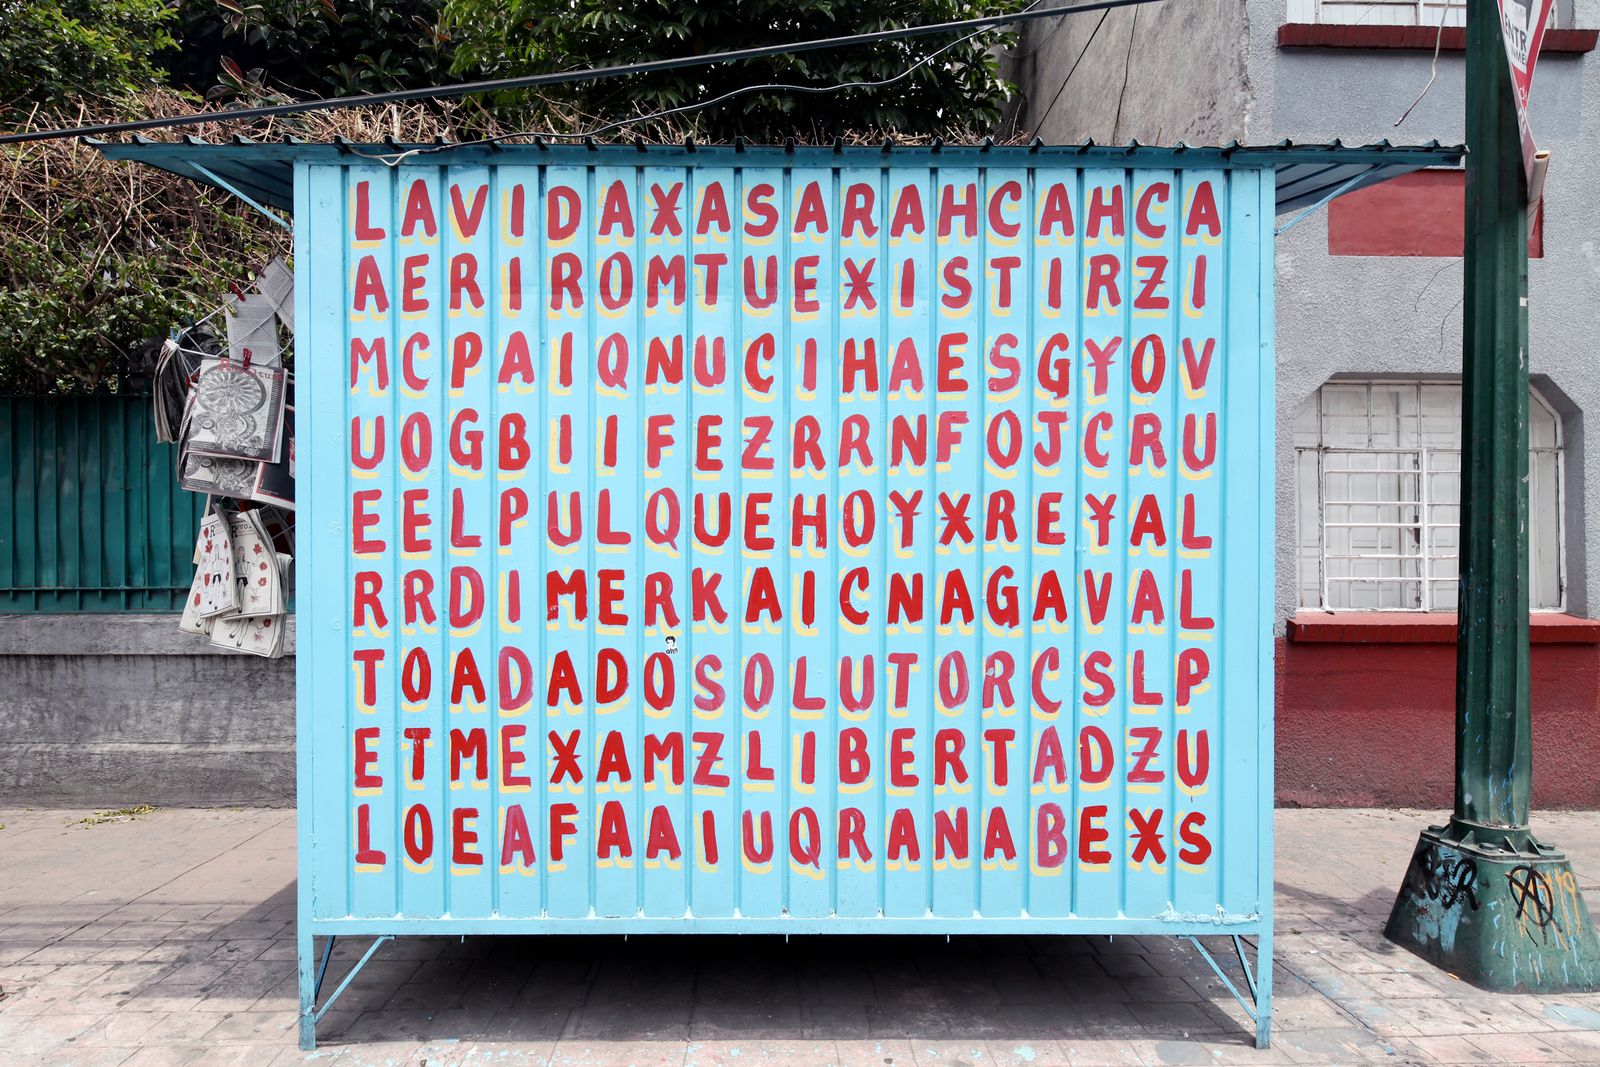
[[1378, 483], [1394, 12]]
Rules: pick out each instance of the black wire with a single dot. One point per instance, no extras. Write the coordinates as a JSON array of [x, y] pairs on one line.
[[1070, 72], [1030, 53], [395, 158], [1127, 69], [534, 81]]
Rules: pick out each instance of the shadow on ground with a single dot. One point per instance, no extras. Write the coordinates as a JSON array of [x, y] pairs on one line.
[[768, 988]]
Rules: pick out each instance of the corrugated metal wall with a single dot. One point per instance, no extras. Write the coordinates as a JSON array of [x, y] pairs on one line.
[[429, 803], [91, 516]]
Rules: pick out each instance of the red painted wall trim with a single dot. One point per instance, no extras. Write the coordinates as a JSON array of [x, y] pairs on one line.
[[1433, 628], [1373, 725], [1418, 214], [1414, 38]]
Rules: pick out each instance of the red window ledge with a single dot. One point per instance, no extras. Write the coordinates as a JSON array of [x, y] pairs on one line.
[[1413, 38], [1433, 628]]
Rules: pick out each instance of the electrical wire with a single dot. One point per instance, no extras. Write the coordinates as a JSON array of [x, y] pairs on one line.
[[1127, 70], [1070, 72], [1433, 72], [1030, 53], [533, 81], [394, 159]]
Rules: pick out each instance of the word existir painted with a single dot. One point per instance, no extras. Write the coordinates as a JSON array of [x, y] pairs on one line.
[[782, 520]]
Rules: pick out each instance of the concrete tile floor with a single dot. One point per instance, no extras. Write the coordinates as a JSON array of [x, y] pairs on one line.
[[169, 939]]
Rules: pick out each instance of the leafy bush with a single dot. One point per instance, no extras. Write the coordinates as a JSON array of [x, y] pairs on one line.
[[53, 52], [99, 259], [958, 90], [295, 48]]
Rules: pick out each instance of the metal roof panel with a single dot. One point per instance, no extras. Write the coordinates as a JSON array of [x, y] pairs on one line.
[[1307, 173]]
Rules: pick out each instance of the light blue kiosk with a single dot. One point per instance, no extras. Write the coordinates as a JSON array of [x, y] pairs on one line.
[[785, 540]]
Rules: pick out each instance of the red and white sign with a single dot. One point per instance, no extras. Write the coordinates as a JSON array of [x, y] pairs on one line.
[[1522, 26]]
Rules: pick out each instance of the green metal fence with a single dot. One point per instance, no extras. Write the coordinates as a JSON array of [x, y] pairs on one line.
[[91, 516]]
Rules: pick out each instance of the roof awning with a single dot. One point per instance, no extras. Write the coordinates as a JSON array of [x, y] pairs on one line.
[[1307, 174]]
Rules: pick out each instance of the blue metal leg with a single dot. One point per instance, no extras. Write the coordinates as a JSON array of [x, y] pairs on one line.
[[307, 954], [311, 977], [1264, 988], [327, 957], [1256, 999]]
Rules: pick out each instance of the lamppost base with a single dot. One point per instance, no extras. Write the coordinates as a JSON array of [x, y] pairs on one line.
[[1511, 920]]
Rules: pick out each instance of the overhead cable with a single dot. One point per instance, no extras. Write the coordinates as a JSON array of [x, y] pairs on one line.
[[535, 81], [1070, 72], [396, 158]]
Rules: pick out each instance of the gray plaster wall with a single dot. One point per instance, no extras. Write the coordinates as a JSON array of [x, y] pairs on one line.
[[114, 710], [1160, 74], [1359, 315]]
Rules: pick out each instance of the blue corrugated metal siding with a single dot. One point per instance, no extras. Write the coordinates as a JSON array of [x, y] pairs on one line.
[[362, 809], [94, 520]]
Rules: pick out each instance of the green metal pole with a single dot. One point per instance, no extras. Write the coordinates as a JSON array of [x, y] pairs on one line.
[[1482, 897], [1494, 745]]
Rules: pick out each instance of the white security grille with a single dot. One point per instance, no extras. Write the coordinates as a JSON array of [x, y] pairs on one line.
[[1387, 12], [1378, 483], [1394, 12]]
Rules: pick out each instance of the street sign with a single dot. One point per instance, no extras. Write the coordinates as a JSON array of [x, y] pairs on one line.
[[1522, 26]]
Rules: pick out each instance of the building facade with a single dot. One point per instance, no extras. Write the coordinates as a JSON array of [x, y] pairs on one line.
[[1369, 362]]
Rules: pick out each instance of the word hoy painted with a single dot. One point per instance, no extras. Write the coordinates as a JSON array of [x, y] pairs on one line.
[[784, 541]]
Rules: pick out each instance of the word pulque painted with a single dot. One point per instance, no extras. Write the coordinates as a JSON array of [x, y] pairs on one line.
[[731, 541]]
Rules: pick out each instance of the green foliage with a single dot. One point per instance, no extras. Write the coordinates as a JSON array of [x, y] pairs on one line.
[[98, 260], [308, 47], [959, 90], [56, 51]]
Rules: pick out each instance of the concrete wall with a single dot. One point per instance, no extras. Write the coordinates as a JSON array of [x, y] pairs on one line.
[[1158, 74], [113, 710]]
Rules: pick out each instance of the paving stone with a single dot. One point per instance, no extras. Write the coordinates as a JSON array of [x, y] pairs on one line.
[[236, 1055], [121, 1028], [1580, 1045], [1162, 989], [1103, 1053], [617, 1022], [878, 1052], [202, 969], [952, 1053], [48, 1033], [581, 1053], [1019, 1052], [252, 1028], [1516, 1048], [1177, 1018], [100, 1056], [714, 1022], [1066, 1019], [378, 1054], [760, 1053]]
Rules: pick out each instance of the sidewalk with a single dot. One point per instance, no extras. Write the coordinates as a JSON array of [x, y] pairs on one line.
[[168, 938]]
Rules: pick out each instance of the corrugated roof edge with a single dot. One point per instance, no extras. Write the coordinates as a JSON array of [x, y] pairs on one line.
[[837, 145], [1307, 173]]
